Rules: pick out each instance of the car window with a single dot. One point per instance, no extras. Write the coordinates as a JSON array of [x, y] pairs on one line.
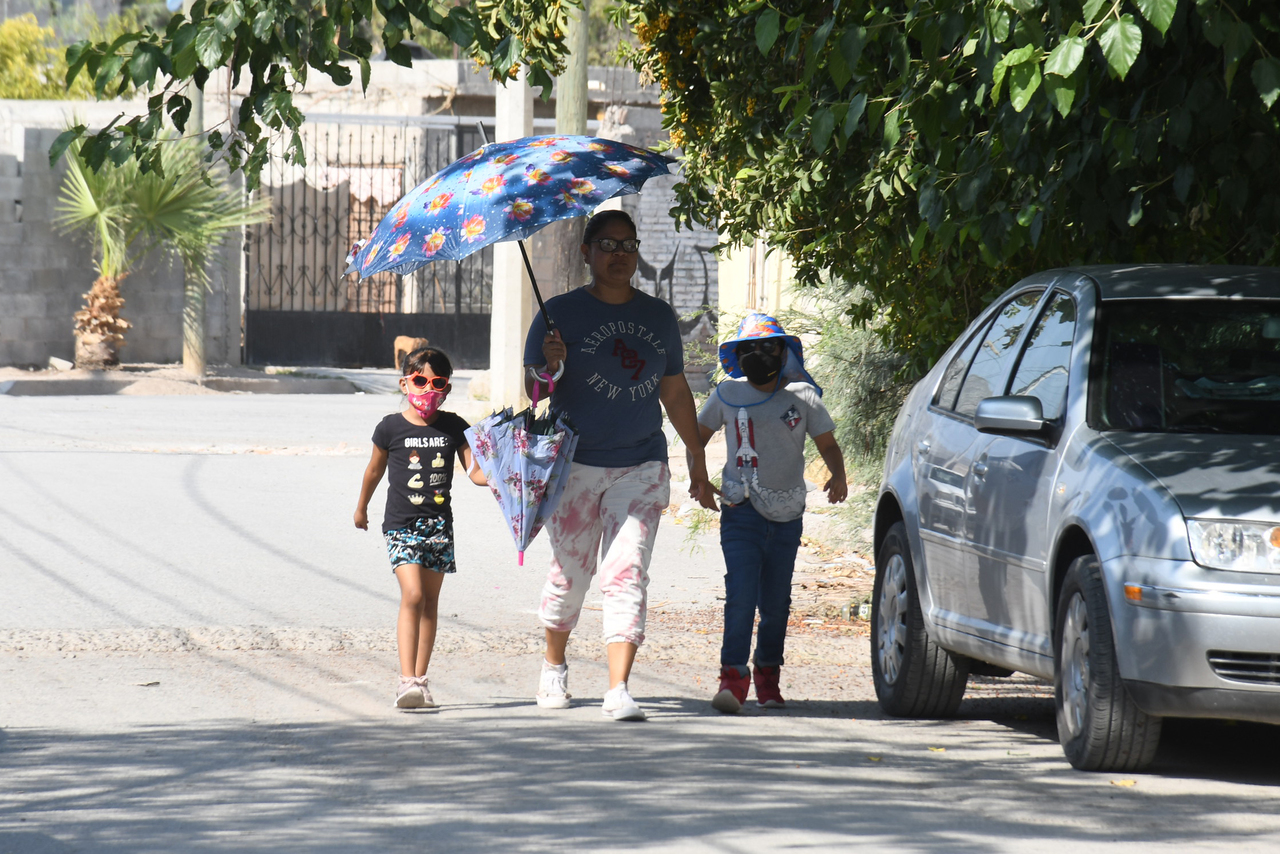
[[1188, 366], [1046, 360], [950, 385], [992, 359]]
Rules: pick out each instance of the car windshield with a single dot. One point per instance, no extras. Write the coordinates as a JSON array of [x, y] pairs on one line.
[[1188, 366]]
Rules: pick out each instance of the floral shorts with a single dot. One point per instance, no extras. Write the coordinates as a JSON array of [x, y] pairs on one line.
[[427, 542]]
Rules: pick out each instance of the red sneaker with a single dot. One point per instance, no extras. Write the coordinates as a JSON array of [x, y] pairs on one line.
[[767, 694], [733, 691]]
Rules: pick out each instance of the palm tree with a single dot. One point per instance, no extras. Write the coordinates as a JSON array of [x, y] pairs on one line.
[[128, 214]]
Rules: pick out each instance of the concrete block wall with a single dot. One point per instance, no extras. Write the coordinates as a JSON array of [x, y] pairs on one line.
[[44, 274], [37, 266]]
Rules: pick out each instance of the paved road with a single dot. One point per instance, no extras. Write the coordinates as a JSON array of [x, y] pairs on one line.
[[195, 655], [236, 511]]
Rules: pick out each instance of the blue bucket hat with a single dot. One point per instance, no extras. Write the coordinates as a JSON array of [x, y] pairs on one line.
[[755, 327]]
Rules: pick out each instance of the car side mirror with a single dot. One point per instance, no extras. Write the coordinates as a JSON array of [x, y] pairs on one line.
[[1014, 415]]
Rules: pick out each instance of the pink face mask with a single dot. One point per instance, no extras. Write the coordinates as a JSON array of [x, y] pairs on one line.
[[426, 403]]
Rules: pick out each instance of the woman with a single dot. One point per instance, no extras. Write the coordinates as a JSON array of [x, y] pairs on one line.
[[615, 354]]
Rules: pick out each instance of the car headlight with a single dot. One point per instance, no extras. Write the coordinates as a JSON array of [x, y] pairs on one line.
[[1242, 546]]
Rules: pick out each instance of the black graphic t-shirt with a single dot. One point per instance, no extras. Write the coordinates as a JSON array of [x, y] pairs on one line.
[[419, 467]]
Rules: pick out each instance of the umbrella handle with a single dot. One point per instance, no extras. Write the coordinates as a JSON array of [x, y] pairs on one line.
[[551, 385]]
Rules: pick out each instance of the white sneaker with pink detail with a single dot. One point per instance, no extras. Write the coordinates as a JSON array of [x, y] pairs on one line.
[[619, 705], [553, 686]]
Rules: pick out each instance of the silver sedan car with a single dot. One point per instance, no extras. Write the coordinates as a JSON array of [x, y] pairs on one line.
[[1086, 488]]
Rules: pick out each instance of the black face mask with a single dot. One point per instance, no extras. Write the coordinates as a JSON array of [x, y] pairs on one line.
[[760, 368]]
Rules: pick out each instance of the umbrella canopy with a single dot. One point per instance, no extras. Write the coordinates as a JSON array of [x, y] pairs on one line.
[[503, 191], [526, 459]]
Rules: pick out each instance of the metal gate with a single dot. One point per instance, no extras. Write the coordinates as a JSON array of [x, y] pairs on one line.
[[299, 307]]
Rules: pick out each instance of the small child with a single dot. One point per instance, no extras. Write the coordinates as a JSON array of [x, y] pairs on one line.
[[416, 449], [767, 408]]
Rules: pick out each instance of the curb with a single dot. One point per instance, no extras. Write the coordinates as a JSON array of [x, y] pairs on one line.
[[105, 385]]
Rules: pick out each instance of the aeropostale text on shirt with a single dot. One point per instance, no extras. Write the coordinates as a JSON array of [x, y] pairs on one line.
[[607, 331]]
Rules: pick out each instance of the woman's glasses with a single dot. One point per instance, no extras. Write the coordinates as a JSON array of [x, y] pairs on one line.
[[421, 382], [768, 346], [608, 244]]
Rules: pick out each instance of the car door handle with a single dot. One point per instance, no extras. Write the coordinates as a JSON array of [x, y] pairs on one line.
[[979, 469]]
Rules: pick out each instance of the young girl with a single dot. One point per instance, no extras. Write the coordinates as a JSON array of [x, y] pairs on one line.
[[416, 449]]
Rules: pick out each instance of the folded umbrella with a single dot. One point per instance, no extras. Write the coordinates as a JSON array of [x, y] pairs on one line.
[[526, 458]]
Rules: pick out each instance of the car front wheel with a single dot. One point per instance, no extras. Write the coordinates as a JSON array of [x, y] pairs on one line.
[[914, 677], [1099, 725]]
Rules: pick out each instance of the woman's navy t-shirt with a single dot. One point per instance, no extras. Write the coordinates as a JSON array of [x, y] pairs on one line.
[[419, 467], [617, 357]]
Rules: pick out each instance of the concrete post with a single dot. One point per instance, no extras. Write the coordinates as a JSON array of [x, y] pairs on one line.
[[193, 302], [564, 238], [512, 291]]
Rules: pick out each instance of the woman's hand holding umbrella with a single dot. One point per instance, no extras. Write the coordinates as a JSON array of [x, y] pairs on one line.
[[553, 350], [553, 356]]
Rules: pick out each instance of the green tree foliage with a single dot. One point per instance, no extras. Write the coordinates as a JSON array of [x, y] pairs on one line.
[[607, 34], [29, 60], [862, 382], [933, 151], [276, 44], [33, 62], [32, 65]]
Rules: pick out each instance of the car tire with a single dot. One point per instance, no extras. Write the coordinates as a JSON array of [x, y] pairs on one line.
[[1099, 725], [914, 677]]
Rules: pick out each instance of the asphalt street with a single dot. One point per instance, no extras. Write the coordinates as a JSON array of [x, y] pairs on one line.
[[235, 511], [196, 654]]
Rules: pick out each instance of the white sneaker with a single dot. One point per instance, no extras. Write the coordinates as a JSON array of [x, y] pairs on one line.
[[619, 705], [427, 701], [553, 687], [409, 694]]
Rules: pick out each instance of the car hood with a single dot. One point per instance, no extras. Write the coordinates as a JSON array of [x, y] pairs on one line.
[[1211, 475]]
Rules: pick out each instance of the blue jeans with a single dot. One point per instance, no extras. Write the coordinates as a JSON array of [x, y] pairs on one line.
[[759, 557]]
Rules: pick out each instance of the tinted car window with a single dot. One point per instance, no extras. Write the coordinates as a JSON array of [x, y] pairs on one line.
[[1188, 366], [1046, 360], [992, 359], [951, 380]]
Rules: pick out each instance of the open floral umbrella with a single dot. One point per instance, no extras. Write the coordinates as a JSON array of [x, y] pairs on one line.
[[503, 191], [526, 458]]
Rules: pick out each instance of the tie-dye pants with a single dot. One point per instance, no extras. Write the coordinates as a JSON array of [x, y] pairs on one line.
[[615, 510]]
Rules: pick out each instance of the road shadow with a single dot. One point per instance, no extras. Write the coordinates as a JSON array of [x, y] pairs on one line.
[[1218, 750], [480, 776], [1241, 752]]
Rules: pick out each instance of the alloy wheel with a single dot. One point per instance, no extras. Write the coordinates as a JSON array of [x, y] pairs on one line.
[[1075, 663], [892, 637]]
